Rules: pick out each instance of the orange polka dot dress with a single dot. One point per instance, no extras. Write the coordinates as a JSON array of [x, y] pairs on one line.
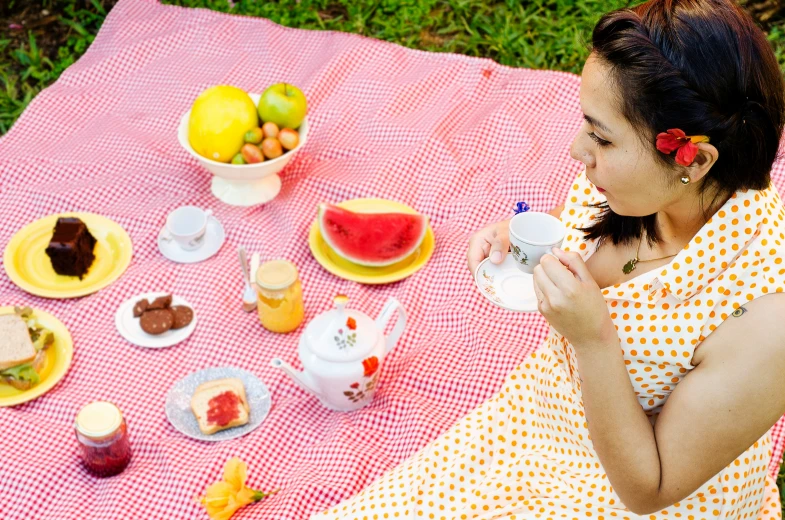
[[526, 453]]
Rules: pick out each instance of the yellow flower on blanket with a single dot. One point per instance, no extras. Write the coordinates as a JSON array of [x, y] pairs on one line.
[[224, 498]]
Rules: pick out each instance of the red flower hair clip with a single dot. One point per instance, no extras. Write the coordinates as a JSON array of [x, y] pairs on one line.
[[675, 139]]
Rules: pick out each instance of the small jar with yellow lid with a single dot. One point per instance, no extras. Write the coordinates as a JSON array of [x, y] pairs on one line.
[[103, 437], [280, 301]]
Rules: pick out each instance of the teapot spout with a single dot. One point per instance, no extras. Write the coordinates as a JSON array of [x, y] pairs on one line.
[[303, 379]]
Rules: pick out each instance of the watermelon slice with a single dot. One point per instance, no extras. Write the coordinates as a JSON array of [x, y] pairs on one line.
[[371, 239]]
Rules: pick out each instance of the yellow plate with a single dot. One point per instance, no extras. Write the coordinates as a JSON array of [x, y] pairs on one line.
[[58, 359], [331, 261], [29, 267]]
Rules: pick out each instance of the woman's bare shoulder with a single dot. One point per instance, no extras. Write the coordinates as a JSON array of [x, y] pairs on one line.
[[756, 325]]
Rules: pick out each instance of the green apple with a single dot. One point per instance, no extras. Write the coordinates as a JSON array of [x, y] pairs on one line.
[[284, 105]]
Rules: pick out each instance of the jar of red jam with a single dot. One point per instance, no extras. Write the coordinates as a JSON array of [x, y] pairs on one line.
[[103, 438]]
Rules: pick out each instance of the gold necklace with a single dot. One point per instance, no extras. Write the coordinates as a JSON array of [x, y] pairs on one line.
[[632, 262]]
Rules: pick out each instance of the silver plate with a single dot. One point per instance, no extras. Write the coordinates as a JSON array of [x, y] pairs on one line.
[[178, 403]]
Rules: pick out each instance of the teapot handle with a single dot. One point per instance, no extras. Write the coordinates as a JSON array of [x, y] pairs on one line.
[[391, 306]]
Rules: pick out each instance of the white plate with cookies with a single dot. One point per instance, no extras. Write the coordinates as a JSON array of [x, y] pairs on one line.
[[163, 321], [196, 405]]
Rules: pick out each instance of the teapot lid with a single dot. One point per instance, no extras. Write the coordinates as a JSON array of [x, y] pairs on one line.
[[341, 334]]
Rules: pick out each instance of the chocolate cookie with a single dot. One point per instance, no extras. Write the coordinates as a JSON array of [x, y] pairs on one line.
[[157, 321], [182, 316], [140, 307], [162, 302]]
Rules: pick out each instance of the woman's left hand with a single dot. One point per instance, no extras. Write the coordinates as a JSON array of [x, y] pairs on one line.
[[571, 301]]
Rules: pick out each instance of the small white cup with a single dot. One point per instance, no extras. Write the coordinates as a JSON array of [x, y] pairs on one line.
[[187, 226], [533, 235]]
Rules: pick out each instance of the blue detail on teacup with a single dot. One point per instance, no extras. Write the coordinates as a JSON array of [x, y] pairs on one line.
[[521, 207]]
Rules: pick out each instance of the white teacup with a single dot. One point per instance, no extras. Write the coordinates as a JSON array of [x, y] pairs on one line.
[[187, 226], [533, 235]]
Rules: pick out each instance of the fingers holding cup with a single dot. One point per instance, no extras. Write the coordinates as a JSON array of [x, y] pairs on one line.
[[489, 242], [477, 252]]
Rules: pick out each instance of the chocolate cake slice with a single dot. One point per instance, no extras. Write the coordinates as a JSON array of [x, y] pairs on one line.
[[71, 247]]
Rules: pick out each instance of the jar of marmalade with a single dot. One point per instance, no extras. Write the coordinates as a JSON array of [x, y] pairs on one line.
[[103, 438], [280, 296]]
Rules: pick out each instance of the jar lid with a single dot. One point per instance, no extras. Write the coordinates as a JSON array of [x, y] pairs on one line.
[[276, 275], [98, 419]]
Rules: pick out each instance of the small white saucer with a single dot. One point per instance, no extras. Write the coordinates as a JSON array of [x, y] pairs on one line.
[[131, 329], [213, 240], [506, 286]]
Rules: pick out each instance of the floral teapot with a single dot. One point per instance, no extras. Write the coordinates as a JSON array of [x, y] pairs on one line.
[[342, 351]]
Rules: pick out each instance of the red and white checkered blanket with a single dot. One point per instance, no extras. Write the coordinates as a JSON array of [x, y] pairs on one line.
[[460, 139]]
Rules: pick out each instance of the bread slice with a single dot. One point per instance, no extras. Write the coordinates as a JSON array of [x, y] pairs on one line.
[[236, 383], [206, 392], [16, 347], [25, 384]]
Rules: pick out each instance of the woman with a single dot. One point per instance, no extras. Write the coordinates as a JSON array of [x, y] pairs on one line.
[[664, 368]]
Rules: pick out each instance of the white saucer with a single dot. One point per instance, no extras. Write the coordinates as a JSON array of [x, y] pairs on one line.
[[178, 403], [131, 329], [213, 240], [506, 286]]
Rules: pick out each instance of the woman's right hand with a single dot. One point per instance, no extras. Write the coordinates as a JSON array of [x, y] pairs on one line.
[[491, 241]]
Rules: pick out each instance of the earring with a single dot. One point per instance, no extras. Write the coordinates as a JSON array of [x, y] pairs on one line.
[[685, 179]]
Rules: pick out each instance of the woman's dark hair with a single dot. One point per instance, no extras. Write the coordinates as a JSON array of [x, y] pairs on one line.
[[702, 66]]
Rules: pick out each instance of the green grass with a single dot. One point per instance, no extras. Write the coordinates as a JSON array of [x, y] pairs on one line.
[[26, 68], [541, 34]]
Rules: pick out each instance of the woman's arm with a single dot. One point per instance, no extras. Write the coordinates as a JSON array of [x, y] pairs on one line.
[[715, 413], [732, 397]]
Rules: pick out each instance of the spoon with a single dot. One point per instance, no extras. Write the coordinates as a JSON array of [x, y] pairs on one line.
[[249, 295]]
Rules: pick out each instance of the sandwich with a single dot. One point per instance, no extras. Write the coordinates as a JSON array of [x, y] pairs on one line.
[[219, 405], [23, 345]]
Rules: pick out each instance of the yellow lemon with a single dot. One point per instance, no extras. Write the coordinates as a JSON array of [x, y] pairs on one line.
[[220, 117]]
